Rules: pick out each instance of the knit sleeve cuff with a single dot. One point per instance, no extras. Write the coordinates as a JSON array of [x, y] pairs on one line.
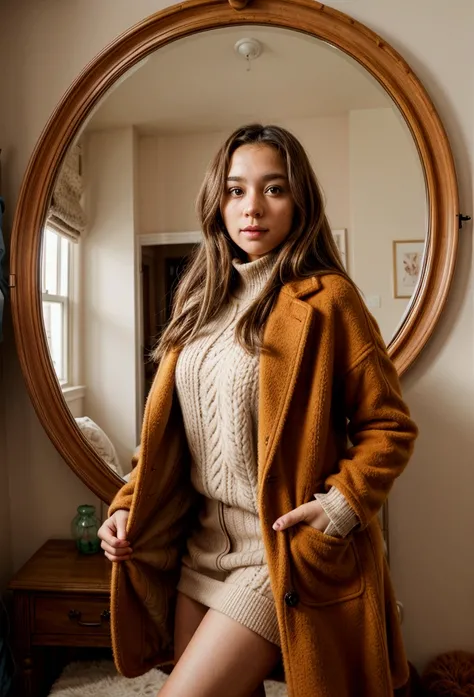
[[342, 517]]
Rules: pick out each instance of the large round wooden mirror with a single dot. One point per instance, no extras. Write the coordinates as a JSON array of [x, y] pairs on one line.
[[105, 215]]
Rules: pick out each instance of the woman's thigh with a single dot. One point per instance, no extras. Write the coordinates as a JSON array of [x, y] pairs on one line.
[[222, 658], [188, 616]]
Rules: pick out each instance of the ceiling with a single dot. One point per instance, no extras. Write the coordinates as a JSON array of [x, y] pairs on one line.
[[201, 84]]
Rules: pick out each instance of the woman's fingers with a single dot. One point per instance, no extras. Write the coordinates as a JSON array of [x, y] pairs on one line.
[[297, 515], [120, 518], [311, 513], [107, 534], [113, 535], [115, 551], [113, 530], [116, 554], [109, 537]]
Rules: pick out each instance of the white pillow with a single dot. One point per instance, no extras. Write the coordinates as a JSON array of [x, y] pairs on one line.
[[99, 441]]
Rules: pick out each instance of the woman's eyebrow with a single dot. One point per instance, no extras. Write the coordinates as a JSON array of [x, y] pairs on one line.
[[266, 177]]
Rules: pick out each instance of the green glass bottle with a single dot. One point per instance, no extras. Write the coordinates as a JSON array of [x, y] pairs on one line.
[[84, 529]]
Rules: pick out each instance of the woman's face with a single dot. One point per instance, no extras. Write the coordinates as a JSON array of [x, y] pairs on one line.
[[257, 207]]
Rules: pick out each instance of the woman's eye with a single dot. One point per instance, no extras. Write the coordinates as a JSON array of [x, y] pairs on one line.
[[274, 190], [235, 191]]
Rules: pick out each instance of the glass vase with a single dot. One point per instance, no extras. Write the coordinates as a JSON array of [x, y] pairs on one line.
[[84, 529]]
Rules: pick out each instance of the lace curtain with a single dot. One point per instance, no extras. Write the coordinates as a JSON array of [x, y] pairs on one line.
[[66, 215]]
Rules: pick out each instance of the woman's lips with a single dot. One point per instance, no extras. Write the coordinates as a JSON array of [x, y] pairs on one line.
[[253, 233]]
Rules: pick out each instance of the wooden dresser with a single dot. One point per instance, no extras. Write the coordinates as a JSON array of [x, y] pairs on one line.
[[60, 599]]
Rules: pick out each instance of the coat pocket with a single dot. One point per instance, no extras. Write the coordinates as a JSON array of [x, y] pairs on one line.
[[326, 570]]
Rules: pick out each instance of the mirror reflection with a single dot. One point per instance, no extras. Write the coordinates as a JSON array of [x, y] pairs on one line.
[[122, 222]]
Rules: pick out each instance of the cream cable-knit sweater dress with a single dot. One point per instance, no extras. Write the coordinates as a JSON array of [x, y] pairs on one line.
[[217, 386]]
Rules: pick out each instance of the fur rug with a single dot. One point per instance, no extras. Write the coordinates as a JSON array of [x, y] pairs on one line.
[[100, 679]]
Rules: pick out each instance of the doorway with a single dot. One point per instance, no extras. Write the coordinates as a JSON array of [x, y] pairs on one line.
[[162, 265]]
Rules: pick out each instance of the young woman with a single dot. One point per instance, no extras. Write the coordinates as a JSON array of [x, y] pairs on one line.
[[271, 438]]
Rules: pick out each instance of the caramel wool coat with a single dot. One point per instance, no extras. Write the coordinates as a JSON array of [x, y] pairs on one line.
[[324, 378]]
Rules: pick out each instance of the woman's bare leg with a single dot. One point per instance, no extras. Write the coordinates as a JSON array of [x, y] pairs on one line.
[[188, 616], [221, 656]]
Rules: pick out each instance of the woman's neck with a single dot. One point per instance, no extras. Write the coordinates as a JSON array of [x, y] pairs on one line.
[[252, 276]]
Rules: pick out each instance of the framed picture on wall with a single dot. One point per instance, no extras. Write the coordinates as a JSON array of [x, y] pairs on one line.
[[340, 240], [407, 262]]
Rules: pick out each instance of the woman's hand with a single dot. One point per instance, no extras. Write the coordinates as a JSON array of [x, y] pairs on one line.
[[311, 513], [113, 534]]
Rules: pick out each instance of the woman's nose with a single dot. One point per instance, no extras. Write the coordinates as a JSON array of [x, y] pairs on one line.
[[253, 207]]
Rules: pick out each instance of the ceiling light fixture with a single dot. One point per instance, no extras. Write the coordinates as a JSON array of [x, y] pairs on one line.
[[250, 49]]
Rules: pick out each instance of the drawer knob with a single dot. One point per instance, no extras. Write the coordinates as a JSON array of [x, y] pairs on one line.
[[77, 614]]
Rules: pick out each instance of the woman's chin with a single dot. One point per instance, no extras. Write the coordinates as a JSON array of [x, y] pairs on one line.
[[255, 250]]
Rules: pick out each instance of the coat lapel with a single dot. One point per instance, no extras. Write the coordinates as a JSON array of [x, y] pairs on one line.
[[285, 339]]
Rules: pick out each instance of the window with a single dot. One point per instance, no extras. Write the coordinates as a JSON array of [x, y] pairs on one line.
[[56, 286]]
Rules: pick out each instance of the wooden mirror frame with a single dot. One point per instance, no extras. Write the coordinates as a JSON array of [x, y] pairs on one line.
[[177, 22]]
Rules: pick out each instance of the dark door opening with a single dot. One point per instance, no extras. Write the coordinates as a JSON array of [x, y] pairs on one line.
[[161, 268]]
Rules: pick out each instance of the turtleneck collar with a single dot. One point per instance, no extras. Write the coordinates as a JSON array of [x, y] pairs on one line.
[[252, 276]]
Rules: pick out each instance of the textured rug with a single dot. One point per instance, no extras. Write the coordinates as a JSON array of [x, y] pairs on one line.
[[100, 679]]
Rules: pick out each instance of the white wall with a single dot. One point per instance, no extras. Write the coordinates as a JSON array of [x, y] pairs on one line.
[[326, 140], [171, 169], [43, 46], [108, 288], [388, 202]]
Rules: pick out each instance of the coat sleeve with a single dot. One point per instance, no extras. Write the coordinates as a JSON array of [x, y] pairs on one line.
[[380, 430]]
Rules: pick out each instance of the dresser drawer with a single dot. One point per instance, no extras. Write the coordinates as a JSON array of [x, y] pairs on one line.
[[71, 614]]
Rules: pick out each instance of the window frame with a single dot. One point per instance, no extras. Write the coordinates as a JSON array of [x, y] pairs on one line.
[[65, 301]]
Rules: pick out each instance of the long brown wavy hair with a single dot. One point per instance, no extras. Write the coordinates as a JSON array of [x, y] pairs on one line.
[[207, 282]]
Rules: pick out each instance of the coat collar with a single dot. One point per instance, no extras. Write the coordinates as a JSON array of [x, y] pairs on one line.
[[301, 288]]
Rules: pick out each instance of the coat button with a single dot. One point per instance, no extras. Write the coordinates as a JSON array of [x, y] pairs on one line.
[[292, 598]]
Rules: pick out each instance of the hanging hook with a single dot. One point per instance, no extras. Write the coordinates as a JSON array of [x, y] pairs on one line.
[[463, 219]]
